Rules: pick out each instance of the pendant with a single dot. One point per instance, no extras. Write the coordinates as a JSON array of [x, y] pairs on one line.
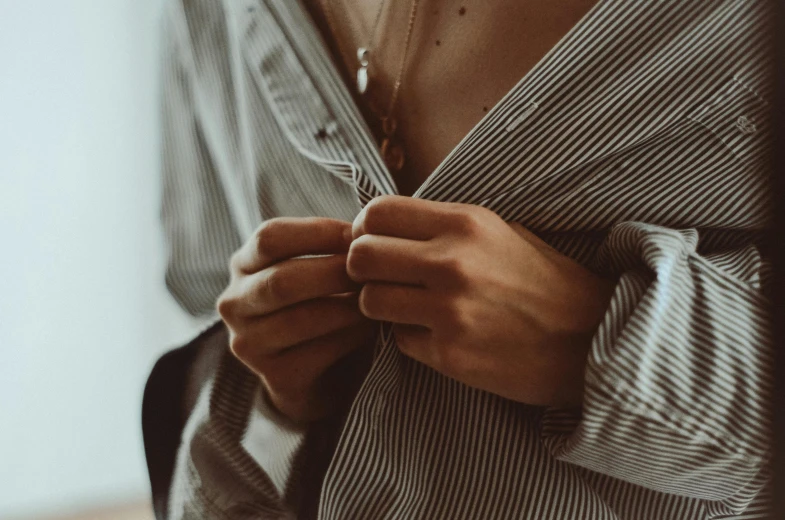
[[362, 72], [362, 80], [393, 154]]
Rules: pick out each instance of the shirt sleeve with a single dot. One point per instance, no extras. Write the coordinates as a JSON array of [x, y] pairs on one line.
[[199, 230], [678, 380], [201, 235]]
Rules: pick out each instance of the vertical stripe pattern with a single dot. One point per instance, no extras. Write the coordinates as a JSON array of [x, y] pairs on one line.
[[638, 146]]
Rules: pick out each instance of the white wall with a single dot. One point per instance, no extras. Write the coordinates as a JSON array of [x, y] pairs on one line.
[[83, 310]]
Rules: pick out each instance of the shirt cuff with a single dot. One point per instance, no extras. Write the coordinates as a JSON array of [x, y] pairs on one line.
[[272, 441]]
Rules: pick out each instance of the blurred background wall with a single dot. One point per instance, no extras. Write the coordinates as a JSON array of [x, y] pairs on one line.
[[83, 309]]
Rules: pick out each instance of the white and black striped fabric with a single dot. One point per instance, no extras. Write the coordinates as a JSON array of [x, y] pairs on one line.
[[638, 146]]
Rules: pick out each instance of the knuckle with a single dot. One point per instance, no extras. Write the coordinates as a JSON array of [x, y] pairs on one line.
[[359, 257], [267, 236], [450, 264], [451, 315], [453, 269], [375, 212], [225, 306], [275, 287], [368, 301], [468, 222], [240, 346]]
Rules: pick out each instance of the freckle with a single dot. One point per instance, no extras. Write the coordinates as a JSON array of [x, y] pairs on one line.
[[484, 109], [462, 11], [438, 42]]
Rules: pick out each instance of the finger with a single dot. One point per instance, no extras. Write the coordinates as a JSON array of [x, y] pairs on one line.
[[405, 217], [289, 282], [296, 324], [303, 380], [283, 238], [315, 356], [388, 259], [398, 304]]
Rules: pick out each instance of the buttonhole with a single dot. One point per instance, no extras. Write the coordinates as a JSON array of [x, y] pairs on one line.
[[516, 120]]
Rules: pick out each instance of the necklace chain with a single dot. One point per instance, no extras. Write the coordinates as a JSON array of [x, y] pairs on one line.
[[402, 67], [364, 52], [391, 150], [376, 21]]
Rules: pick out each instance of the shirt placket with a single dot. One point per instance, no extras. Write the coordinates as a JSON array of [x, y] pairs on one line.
[[318, 115], [309, 100]]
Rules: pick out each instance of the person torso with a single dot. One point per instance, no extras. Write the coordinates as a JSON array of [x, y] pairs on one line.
[[462, 59], [643, 111]]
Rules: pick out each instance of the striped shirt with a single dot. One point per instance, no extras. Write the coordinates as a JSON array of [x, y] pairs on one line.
[[637, 146]]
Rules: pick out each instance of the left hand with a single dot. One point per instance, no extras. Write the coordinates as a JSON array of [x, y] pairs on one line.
[[482, 301]]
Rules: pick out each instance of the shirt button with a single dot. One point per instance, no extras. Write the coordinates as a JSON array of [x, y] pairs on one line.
[[327, 130], [746, 125]]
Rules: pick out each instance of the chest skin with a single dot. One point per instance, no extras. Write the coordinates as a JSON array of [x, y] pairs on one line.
[[465, 55]]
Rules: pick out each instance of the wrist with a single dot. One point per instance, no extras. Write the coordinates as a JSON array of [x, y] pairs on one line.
[[584, 300], [583, 312]]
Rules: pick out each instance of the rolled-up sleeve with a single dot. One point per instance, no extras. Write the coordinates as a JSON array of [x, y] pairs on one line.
[[679, 376]]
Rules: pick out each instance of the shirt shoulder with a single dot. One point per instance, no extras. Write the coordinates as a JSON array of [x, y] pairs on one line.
[[204, 28]]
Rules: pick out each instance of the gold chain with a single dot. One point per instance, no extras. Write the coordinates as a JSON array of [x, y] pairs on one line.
[[328, 12], [391, 150], [402, 67]]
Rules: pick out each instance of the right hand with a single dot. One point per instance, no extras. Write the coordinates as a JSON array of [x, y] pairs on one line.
[[293, 320]]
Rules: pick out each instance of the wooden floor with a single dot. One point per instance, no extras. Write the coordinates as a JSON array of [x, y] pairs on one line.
[[137, 511]]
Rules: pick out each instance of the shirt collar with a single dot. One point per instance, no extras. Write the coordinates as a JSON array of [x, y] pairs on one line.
[[296, 73]]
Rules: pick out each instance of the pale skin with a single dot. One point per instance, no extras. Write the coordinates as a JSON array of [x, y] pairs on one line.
[[477, 299]]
